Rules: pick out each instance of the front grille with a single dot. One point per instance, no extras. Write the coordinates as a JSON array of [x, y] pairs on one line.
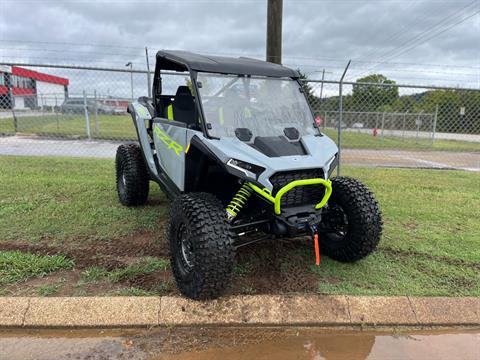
[[300, 195]]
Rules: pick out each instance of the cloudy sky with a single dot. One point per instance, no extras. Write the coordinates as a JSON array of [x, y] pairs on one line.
[[427, 42]]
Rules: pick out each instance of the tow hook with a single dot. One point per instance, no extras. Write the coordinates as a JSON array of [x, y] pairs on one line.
[[314, 230]]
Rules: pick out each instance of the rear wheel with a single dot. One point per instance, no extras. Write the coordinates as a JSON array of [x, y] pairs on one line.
[[351, 225], [132, 175], [201, 247]]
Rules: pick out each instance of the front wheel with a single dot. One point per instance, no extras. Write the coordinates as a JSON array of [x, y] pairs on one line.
[[351, 225], [201, 247]]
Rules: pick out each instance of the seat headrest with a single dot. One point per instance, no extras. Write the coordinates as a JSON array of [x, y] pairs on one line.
[[183, 99], [183, 90]]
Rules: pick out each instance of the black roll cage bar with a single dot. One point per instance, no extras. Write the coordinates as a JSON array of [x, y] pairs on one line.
[[164, 62]]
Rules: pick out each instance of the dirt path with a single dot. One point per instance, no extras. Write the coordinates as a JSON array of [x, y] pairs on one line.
[[270, 267]]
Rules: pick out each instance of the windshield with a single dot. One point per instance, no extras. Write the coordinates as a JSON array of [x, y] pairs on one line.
[[259, 106]]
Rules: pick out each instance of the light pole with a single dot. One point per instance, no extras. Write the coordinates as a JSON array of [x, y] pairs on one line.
[[131, 77]]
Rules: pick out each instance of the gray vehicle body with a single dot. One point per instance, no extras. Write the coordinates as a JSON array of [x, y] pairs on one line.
[[163, 162], [180, 154], [321, 151], [239, 153]]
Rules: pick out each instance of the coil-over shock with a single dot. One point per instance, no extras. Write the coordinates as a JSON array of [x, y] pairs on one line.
[[238, 201]]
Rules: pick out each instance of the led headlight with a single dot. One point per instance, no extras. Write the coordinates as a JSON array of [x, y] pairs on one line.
[[248, 169], [331, 165]]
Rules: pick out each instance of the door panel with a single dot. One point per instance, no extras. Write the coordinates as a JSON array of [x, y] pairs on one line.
[[170, 139]]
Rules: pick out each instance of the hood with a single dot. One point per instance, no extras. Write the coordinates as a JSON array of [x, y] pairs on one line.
[[318, 152]]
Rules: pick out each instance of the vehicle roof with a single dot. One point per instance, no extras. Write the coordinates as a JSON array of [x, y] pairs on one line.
[[169, 60]]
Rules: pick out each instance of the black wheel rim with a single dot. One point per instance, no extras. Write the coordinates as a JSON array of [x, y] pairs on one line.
[[334, 223], [185, 248], [122, 181]]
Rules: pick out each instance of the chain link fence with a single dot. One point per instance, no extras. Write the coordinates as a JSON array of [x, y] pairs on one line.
[[75, 111]]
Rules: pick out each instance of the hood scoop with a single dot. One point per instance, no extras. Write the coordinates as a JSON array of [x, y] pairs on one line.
[[276, 146]]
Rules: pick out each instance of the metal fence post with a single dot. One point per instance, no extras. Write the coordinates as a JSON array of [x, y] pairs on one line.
[[340, 117], [434, 128], [56, 113], [87, 118], [149, 84], [383, 124], [12, 103], [95, 114]]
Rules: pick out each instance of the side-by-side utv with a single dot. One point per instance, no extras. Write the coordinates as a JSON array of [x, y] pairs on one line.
[[238, 152]]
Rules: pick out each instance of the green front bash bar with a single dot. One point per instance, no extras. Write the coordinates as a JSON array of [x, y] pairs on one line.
[[276, 200]]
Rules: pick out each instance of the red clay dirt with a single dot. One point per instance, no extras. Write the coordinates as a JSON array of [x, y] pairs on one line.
[[261, 268]]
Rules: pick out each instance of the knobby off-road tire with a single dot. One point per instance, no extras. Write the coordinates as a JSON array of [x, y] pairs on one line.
[[132, 175], [363, 225], [203, 265]]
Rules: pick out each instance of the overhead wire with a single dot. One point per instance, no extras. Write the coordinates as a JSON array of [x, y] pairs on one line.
[[434, 31]]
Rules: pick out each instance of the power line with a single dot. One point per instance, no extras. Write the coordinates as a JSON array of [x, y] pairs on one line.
[[401, 32], [423, 36], [316, 59], [68, 51], [56, 59], [69, 43], [439, 33], [439, 24], [434, 35]]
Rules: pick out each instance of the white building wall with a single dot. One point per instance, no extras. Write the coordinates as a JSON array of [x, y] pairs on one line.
[[19, 102], [49, 94]]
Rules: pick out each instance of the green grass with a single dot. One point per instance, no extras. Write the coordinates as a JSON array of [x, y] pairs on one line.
[[356, 140], [18, 266], [109, 126], [94, 274], [121, 127], [430, 245], [133, 291], [59, 199], [431, 241], [146, 266], [48, 290]]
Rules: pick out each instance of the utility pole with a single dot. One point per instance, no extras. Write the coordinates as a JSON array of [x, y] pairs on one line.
[[131, 77], [274, 31]]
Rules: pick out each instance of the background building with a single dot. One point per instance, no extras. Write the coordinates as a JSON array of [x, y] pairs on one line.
[[22, 88]]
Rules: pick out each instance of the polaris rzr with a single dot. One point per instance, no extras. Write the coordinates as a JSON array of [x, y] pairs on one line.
[[237, 150]]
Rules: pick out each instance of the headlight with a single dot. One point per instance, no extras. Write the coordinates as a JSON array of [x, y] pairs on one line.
[[248, 169], [331, 165]]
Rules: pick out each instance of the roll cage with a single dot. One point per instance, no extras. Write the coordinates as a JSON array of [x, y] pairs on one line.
[[191, 63]]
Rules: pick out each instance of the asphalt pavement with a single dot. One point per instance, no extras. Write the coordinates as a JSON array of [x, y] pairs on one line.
[[34, 146]]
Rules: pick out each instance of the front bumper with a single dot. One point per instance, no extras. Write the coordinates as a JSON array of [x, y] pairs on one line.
[[276, 200]]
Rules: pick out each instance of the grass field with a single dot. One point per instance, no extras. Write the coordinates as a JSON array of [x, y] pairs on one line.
[[121, 127], [109, 126], [68, 207], [356, 140]]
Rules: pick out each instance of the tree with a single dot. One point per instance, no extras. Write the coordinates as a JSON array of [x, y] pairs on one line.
[[373, 97], [449, 103], [312, 99]]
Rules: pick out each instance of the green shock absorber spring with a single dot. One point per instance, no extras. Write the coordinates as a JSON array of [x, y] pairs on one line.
[[238, 201]]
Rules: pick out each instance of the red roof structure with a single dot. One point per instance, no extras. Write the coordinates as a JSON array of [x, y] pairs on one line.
[[39, 76]]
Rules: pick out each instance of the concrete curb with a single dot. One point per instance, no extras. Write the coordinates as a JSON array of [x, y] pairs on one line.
[[271, 310]]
